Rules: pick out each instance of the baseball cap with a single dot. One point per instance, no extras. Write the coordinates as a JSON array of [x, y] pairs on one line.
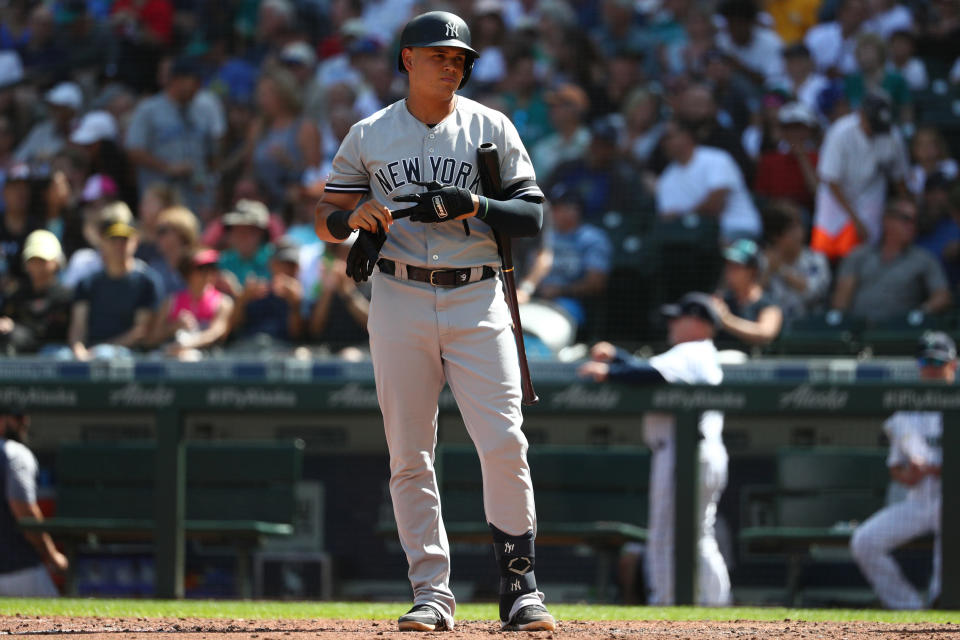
[[694, 304], [743, 251], [298, 53], [205, 256], [11, 69], [286, 251], [605, 130], [797, 113], [247, 213], [936, 348], [18, 172], [876, 108], [42, 244], [119, 230], [94, 127], [99, 186], [65, 94]]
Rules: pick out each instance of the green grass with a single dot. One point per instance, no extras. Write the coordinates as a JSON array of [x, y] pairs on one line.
[[386, 611]]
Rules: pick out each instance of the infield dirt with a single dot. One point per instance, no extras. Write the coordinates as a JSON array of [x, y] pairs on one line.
[[222, 629]]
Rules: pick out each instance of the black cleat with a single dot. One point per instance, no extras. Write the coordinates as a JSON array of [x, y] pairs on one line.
[[533, 617], [422, 617]]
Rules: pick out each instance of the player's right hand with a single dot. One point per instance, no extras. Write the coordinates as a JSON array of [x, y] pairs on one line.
[[369, 215], [593, 370], [364, 254], [58, 562], [603, 352]]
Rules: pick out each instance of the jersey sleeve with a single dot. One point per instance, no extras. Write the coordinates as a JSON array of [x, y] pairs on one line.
[[516, 168], [21, 477], [347, 174]]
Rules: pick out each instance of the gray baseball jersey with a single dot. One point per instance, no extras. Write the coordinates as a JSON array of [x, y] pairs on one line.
[[422, 336], [382, 155]]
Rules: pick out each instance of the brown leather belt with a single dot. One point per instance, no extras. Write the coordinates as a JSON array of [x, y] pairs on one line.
[[437, 277]]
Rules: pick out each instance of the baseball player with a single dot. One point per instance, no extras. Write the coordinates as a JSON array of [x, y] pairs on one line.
[[914, 461], [437, 312], [693, 322]]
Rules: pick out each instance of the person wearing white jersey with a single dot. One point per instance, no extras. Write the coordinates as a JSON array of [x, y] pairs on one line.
[[693, 322], [437, 312], [914, 461]]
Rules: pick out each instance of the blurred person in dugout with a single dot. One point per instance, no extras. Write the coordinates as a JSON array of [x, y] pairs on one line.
[[22, 554], [692, 359], [748, 315], [914, 462]]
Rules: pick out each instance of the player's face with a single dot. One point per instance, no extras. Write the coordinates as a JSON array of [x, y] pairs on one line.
[[933, 370], [435, 71]]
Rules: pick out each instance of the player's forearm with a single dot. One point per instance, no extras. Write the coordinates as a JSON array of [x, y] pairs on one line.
[[516, 217], [639, 373], [40, 541], [841, 199]]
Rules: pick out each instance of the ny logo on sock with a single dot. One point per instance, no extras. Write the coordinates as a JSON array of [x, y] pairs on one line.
[[515, 585], [508, 547]]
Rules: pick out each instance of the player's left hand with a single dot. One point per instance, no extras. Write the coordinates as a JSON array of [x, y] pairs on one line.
[[437, 204], [364, 253]]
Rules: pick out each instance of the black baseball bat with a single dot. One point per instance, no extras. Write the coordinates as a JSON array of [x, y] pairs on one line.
[[488, 159]]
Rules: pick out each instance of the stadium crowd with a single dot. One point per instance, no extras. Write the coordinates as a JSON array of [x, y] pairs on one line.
[[161, 159]]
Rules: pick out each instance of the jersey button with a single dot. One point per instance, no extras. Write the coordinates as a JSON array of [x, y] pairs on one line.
[[436, 257], [432, 136], [430, 149]]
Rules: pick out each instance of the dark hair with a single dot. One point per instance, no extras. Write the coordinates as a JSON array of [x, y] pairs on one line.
[[745, 9], [778, 219]]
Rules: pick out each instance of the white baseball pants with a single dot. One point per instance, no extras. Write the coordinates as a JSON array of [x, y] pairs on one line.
[[32, 582], [713, 581], [874, 540], [420, 337]]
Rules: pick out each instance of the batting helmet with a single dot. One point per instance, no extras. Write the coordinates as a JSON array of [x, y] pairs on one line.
[[438, 29]]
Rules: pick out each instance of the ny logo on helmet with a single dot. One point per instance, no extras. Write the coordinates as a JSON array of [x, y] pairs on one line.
[[452, 30]]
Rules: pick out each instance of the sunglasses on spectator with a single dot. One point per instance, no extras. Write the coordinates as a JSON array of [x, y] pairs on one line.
[[932, 362]]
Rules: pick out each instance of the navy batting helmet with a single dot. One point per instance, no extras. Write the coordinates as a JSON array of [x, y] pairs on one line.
[[438, 29]]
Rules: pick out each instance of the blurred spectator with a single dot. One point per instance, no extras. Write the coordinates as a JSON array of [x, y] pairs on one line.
[[789, 171], [832, 43], [929, 155], [166, 144], [35, 316], [795, 277], [643, 125], [197, 316], [268, 311], [601, 178], [622, 72], [524, 96], [939, 32], [300, 59], [873, 76], [861, 154], [887, 17], [142, 30], [792, 18], [339, 311], [18, 221], [582, 256], [748, 316], [802, 80], [23, 554], [248, 252], [8, 138], [47, 138], [113, 308], [735, 96], [938, 227], [41, 49], [87, 260], [688, 56], [895, 278], [698, 107], [705, 181], [619, 28], [175, 239], [903, 61], [569, 105], [97, 137], [54, 200], [156, 198], [488, 33], [286, 142], [755, 51]]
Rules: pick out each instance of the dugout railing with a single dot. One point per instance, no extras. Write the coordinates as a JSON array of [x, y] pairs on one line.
[[257, 387]]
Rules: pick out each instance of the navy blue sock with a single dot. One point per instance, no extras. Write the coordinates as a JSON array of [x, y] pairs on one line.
[[515, 559]]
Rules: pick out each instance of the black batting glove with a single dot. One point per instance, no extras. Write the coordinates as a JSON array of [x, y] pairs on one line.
[[364, 254], [437, 204]]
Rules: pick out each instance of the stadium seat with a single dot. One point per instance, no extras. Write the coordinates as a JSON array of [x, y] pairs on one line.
[[825, 333], [898, 336]]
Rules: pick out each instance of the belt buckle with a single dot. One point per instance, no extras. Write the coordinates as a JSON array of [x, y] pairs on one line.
[[432, 272]]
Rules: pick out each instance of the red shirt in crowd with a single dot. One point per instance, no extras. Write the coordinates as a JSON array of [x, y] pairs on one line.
[[779, 176], [155, 15]]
